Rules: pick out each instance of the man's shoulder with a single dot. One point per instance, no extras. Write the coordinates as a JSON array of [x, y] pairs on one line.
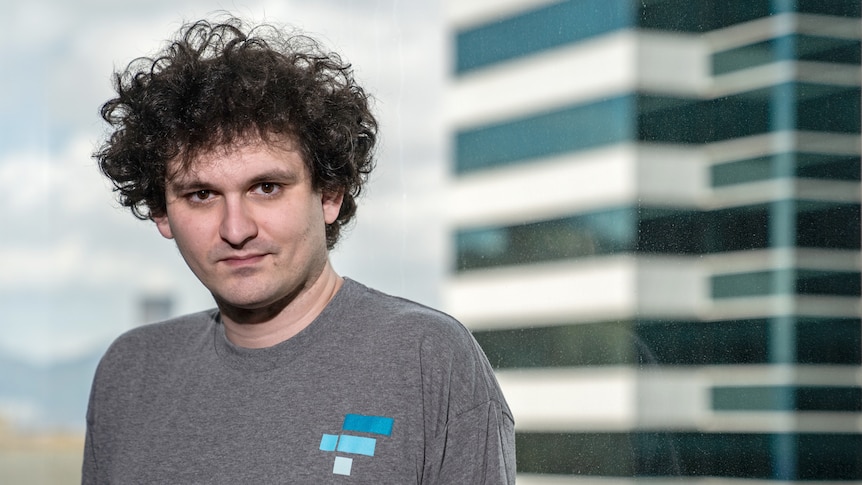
[[157, 339], [404, 321], [449, 358], [376, 307]]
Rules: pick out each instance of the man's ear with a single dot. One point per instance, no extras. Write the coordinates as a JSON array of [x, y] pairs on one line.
[[331, 205], [164, 226]]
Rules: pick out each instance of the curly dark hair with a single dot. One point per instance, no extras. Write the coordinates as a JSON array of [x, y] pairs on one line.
[[219, 83]]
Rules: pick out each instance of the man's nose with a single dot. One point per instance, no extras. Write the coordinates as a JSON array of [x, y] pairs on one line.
[[237, 225]]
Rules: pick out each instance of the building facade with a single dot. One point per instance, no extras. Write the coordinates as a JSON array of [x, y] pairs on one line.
[[655, 233]]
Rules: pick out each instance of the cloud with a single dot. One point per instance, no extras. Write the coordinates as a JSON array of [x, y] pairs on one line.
[[61, 224], [74, 265]]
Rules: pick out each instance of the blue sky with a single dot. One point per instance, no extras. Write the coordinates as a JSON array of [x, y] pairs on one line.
[[73, 265]]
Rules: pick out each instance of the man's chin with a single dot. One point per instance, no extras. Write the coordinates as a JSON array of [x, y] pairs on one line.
[[250, 309]]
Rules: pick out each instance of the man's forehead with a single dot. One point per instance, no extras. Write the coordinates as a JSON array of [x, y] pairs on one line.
[[235, 157]]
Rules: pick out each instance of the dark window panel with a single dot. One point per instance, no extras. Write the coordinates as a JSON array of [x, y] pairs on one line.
[[840, 8], [829, 341], [815, 341], [827, 108], [787, 48], [686, 16], [802, 282], [585, 235], [706, 343], [828, 225], [656, 230], [786, 165], [787, 398], [812, 456]]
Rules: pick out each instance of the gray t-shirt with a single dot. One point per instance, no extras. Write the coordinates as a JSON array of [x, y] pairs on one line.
[[377, 390]]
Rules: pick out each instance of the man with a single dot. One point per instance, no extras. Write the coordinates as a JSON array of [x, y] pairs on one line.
[[248, 148]]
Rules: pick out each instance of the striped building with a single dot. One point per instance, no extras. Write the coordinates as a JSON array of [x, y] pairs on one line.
[[655, 233]]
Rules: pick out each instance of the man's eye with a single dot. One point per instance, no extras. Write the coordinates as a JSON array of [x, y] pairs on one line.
[[267, 188], [200, 195]]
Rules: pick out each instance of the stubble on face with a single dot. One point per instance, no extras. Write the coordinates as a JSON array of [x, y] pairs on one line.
[[252, 228]]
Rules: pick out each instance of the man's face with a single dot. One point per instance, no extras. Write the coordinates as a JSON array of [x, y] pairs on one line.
[[249, 224]]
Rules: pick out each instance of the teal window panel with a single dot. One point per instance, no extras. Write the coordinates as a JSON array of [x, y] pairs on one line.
[[745, 284], [788, 48], [605, 232], [752, 55], [787, 398], [658, 119], [572, 21], [801, 282], [763, 456], [750, 170], [546, 134], [786, 165], [573, 345], [538, 30]]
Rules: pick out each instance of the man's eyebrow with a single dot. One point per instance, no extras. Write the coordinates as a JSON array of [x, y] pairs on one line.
[[184, 184], [190, 183], [284, 176]]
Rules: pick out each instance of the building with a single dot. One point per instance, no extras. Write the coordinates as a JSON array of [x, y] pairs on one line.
[[655, 233], [155, 307]]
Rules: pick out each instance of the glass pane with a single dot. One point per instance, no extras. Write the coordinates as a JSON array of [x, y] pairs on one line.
[[741, 229]]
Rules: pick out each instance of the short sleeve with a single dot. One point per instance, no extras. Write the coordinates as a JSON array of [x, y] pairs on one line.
[[88, 468], [476, 447]]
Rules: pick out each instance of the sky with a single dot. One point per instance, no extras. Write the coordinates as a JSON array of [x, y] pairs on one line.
[[74, 264]]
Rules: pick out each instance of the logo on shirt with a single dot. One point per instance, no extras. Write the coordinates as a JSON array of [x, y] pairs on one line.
[[352, 444]]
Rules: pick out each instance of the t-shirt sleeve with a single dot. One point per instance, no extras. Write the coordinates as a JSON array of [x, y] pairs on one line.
[[88, 470], [477, 447], [469, 428]]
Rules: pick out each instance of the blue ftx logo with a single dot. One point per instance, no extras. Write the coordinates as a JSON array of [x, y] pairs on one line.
[[356, 445]]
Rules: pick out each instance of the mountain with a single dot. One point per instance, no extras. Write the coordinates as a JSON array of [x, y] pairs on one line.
[[46, 396]]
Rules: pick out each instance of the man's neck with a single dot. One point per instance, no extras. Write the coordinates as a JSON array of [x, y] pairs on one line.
[[256, 329]]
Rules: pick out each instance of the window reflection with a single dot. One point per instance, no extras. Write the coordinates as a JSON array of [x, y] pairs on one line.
[[654, 230], [699, 163]]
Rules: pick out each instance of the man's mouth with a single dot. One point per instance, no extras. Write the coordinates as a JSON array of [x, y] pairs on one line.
[[242, 259]]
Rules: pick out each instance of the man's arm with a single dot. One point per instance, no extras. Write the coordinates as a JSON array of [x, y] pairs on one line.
[[88, 470], [477, 447]]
